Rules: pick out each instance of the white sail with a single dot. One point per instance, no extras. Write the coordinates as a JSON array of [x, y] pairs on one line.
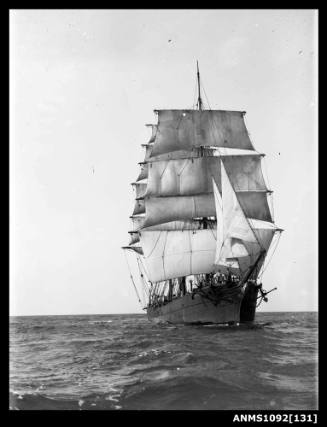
[[135, 248], [160, 210], [193, 175], [171, 254], [153, 132], [143, 172], [134, 238], [183, 177], [239, 255], [244, 238], [239, 240], [139, 188], [203, 151], [137, 222], [185, 129], [181, 189], [200, 164], [148, 150], [139, 207], [255, 204], [245, 172], [220, 220], [183, 225]]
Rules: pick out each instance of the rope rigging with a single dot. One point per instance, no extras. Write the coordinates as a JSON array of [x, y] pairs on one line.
[[272, 254], [263, 296], [144, 287], [194, 95], [205, 94], [132, 279], [154, 245]]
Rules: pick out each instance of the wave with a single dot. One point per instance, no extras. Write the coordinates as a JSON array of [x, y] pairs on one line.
[[36, 401], [125, 362], [99, 322]]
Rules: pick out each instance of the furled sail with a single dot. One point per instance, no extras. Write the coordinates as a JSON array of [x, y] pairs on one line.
[[182, 225], [170, 254], [186, 129]]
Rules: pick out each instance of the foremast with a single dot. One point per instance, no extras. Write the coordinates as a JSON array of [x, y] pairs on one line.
[[199, 103]]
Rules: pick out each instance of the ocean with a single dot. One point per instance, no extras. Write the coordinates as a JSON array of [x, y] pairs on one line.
[[122, 361]]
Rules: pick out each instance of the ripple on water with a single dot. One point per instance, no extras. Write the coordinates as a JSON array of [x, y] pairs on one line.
[[125, 362]]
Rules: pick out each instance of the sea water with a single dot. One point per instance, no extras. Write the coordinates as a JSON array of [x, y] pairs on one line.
[[117, 362]]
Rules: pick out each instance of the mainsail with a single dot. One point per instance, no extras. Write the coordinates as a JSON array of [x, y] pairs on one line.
[[175, 253]]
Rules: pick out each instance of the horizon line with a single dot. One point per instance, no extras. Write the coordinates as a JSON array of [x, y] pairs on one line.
[[114, 314]]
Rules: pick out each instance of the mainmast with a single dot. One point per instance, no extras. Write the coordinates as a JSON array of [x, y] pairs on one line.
[[205, 225], [199, 90]]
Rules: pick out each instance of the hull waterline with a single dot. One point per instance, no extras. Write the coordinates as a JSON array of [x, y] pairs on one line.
[[199, 309]]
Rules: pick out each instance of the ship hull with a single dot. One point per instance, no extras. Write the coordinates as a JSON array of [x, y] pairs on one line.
[[249, 303], [198, 309]]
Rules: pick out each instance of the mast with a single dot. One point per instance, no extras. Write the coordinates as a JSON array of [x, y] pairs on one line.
[[200, 108], [199, 90], [172, 230]]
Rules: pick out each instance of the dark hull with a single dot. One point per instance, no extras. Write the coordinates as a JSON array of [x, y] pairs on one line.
[[200, 309], [249, 303]]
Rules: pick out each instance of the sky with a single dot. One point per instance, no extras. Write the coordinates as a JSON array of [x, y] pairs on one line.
[[83, 83]]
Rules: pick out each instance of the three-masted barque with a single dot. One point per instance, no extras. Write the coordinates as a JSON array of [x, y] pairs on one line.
[[202, 223]]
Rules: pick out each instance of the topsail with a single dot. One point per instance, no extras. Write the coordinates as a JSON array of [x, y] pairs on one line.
[[187, 129]]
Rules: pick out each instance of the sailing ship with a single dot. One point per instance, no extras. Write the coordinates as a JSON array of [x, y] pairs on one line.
[[202, 223]]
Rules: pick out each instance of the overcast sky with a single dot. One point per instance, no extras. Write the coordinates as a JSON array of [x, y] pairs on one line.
[[82, 85]]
